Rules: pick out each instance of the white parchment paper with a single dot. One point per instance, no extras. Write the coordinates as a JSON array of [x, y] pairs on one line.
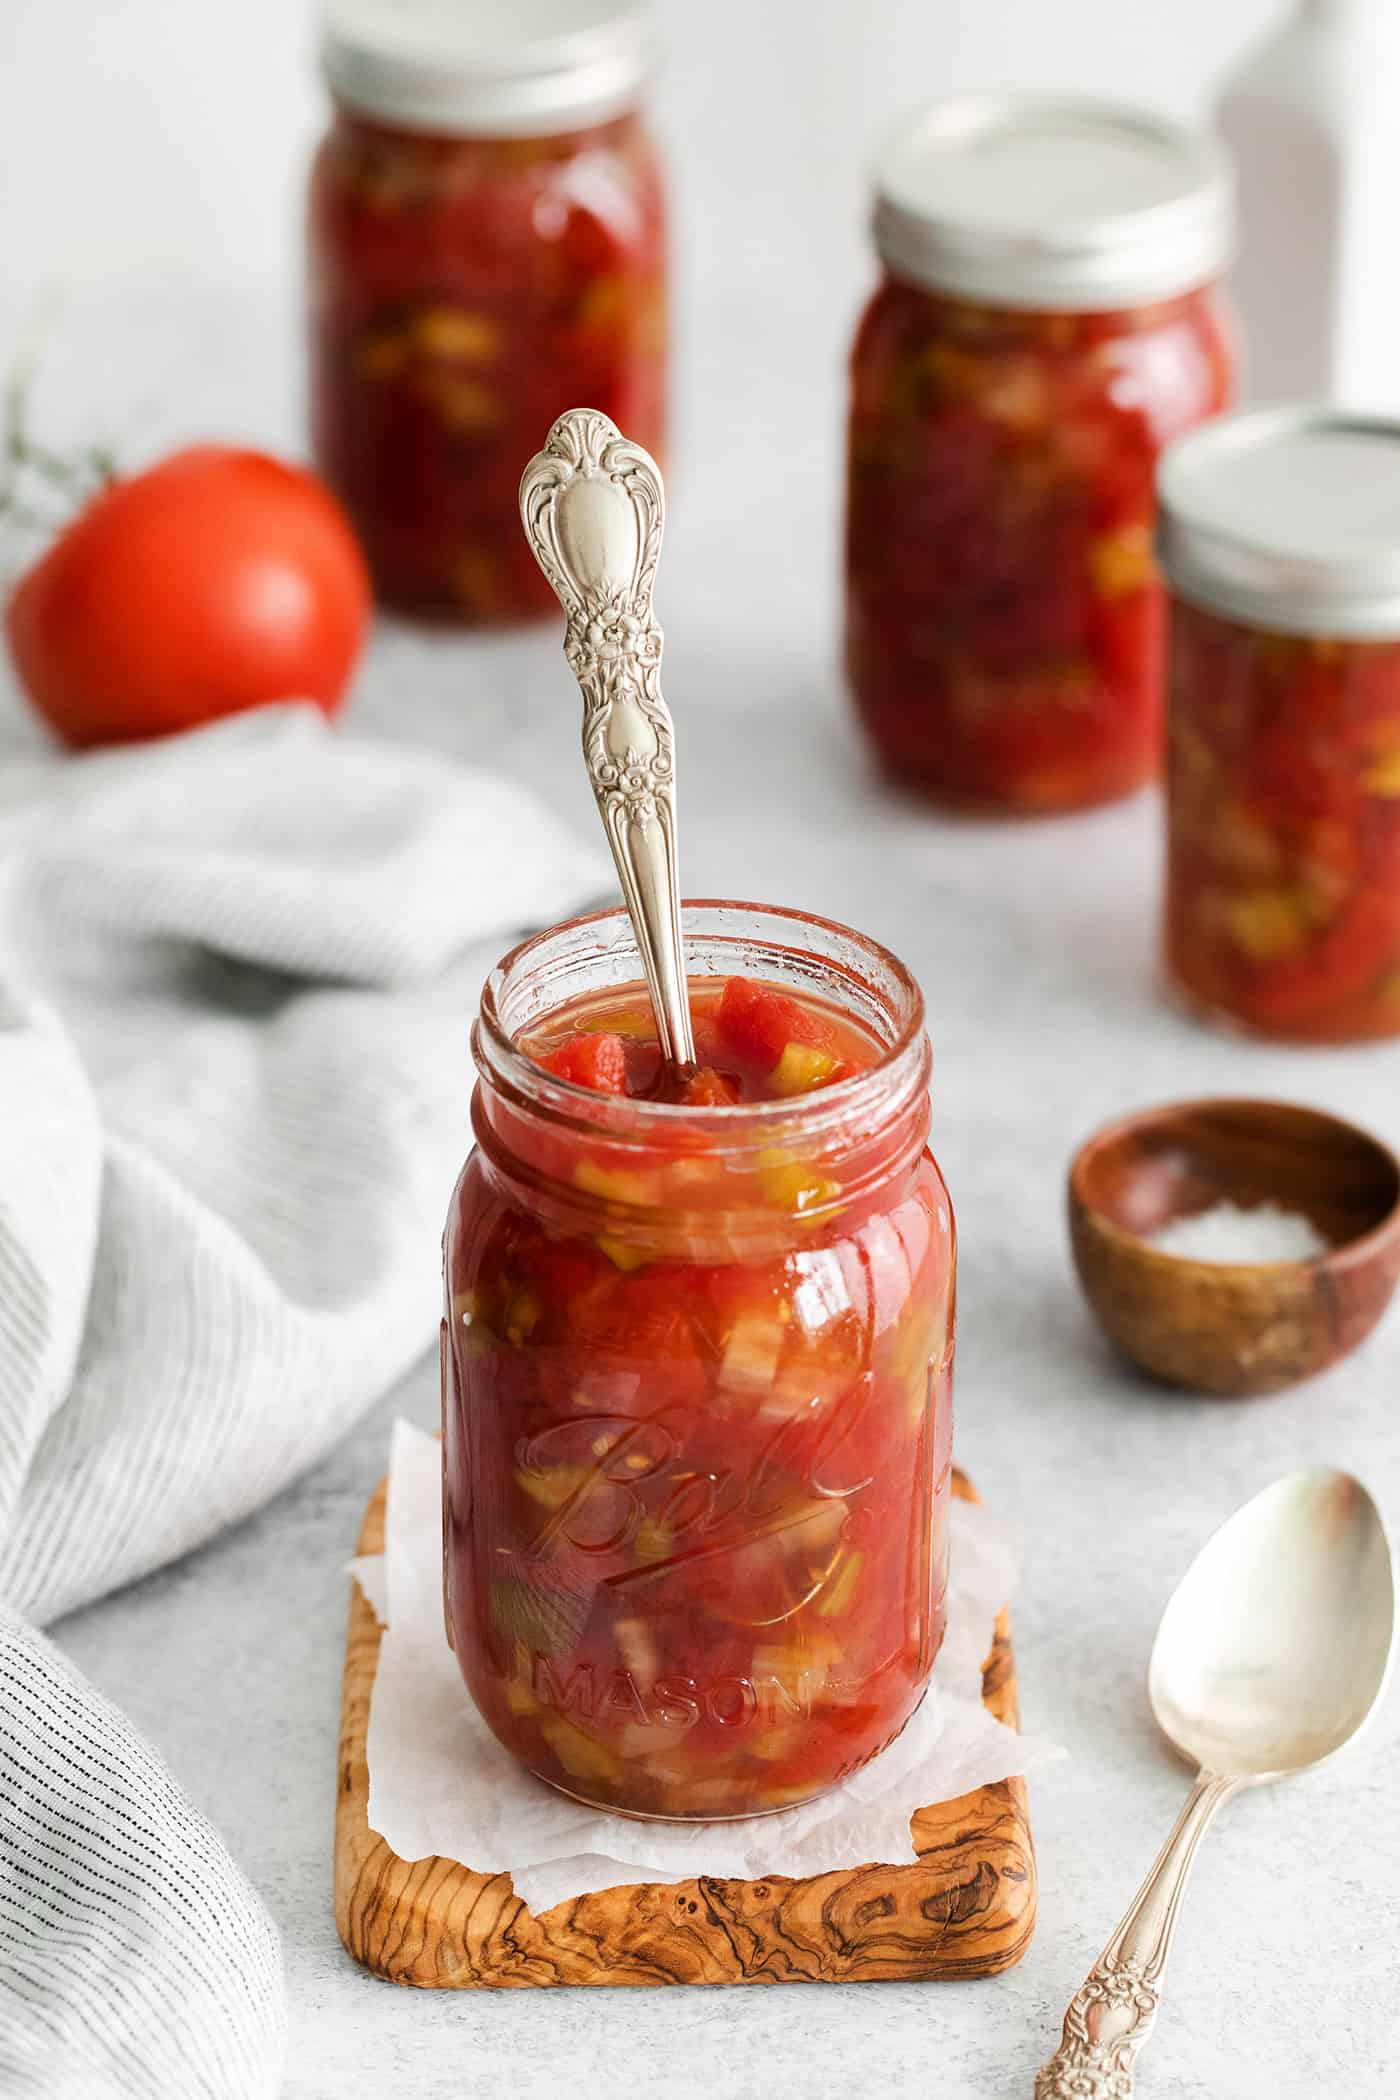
[[440, 1783]]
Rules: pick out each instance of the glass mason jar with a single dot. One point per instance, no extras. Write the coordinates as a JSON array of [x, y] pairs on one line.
[[1281, 542], [697, 1395], [486, 249], [1029, 351]]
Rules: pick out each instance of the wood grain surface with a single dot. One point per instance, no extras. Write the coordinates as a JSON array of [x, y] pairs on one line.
[[966, 1907]]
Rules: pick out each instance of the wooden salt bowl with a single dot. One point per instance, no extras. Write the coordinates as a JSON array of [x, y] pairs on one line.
[[1231, 1329]]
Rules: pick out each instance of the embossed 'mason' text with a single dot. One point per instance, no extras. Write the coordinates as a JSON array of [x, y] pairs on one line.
[[677, 1701]]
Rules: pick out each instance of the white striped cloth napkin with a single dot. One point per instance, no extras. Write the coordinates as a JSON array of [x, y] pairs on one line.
[[236, 974]]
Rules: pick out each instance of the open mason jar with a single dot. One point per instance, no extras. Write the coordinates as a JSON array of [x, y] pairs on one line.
[[697, 1377], [1281, 543], [486, 248], [1047, 320]]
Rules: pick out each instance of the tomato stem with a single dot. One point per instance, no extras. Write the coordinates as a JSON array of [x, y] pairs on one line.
[[25, 464]]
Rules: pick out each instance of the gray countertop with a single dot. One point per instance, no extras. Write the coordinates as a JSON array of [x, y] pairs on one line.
[[1035, 946]]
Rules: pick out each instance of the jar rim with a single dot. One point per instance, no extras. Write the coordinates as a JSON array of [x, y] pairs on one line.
[[1055, 204], [1287, 518], [517, 69], [882, 1087]]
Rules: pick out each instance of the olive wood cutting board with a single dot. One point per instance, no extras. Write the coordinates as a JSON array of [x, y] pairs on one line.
[[965, 1907]]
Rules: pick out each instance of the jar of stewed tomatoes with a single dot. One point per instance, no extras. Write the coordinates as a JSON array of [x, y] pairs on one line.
[[697, 1360], [1047, 320], [1281, 542], [486, 249]]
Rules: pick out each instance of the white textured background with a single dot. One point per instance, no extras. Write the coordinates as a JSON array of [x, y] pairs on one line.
[[178, 128], [152, 153], [169, 138]]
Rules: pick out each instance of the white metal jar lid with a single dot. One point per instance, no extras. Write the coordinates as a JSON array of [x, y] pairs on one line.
[[488, 68], [1287, 519], [1051, 204]]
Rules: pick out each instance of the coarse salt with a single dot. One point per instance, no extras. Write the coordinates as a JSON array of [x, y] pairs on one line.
[[1228, 1232]]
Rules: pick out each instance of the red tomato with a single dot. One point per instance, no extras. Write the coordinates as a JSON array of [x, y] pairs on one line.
[[708, 1088], [597, 1061], [216, 581], [760, 1023]]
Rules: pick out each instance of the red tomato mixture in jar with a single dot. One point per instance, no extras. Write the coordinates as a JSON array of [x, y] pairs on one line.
[[1013, 381], [697, 1371], [1283, 865], [487, 249]]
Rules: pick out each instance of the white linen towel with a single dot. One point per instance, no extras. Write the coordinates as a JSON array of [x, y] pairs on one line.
[[237, 971]]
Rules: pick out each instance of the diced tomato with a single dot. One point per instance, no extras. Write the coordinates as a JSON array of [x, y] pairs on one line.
[[1283, 893], [1003, 614], [760, 1023], [596, 1061], [708, 1088], [468, 290], [753, 1042], [1336, 969]]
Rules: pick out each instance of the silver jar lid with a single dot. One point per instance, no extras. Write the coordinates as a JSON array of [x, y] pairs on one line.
[[487, 68], [1054, 205], [1287, 519]]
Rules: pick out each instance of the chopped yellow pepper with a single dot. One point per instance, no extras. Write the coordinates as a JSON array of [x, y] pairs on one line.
[[620, 1254], [792, 1185], [1382, 775], [552, 1487], [801, 1067], [614, 1184], [445, 331], [1267, 924], [836, 1599], [463, 404], [654, 1539], [522, 1315], [581, 1754], [752, 1347], [1121, 562]]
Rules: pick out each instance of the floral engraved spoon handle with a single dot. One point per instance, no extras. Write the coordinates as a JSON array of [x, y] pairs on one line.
[[594, 508], [1114, 2010]]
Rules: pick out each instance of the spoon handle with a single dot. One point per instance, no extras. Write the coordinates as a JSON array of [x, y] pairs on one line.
[[1114, 2009], [594, 508]]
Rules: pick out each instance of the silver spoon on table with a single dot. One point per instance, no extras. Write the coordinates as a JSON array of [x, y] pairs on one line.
[[1272, 1653], [594, 509]]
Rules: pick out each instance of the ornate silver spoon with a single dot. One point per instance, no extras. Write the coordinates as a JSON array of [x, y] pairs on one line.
[[594, 508], [1272, 1653]]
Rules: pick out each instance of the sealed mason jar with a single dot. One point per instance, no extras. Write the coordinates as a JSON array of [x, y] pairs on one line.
[[1281, 544], [697, 1367], [486, 249], [1047, 320]]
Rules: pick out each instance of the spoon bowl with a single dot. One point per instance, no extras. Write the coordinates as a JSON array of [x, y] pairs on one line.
[[1275, 1647]]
